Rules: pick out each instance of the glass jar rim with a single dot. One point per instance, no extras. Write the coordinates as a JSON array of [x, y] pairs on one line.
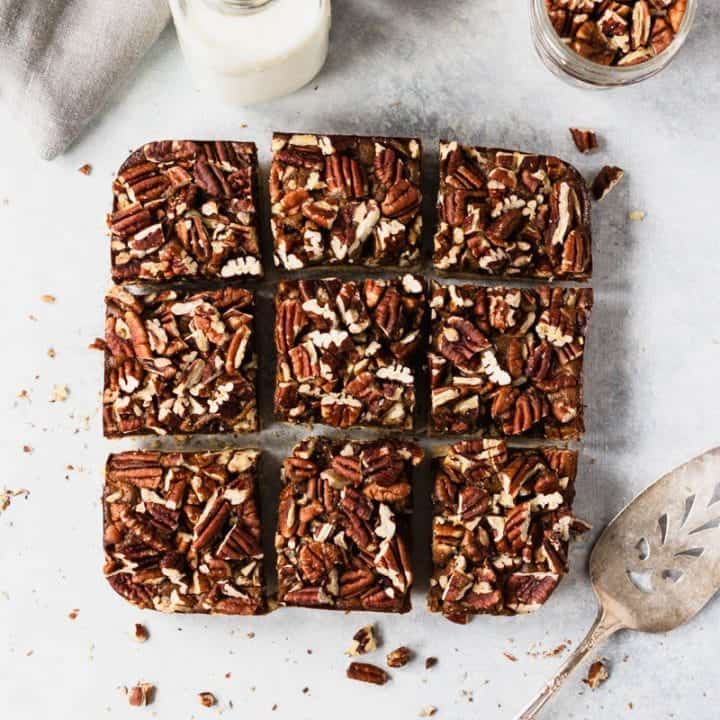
[[237, 6], [619, 73]]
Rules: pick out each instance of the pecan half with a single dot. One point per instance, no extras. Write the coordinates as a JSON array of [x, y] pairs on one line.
[[365, 672]]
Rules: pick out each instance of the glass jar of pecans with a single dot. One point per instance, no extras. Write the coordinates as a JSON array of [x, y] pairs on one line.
[[609, 43]]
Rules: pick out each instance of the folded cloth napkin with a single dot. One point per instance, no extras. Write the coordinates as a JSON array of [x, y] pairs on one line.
[[60, 60]]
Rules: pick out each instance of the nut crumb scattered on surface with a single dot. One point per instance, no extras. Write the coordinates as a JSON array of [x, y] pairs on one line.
[[207, 699], [597, 675], [428, 711], [51, 352], [399, 657], [72, 615], [49, 299], [6, 497], [85, 169], [510, 656], [140, 633], [59, 393], [585, 139], [141, 694], [97, 344], [27, 449], [637, 215], [430, 662], [274, 707], [306, 690], [605, 181], [250, 635], [363, 642]]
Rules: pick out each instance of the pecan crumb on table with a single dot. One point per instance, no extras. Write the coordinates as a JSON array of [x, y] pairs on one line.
[[597, 675], [363, 642], [399, 657], [179, 362], [141, 694], [185, 210], [585, 139], [606, 180], [140, 633], [348, 352], [343, 531], [345, 200], [511, 214], [182, 531], [617, 33], [502, 523], [508, 361]]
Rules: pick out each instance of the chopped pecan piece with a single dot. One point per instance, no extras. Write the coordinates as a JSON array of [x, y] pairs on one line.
[[178, 362], [512, 360], [508, 557], [399, 657], [511, 214], [345, 200], [617, 33], [365, 672], [585, 139], [141, 694], [605, 181], [348, 352], [343, 529], [185, 210], [597, 675], [363, 641], [182, 532], [140, 633], [207, 699]]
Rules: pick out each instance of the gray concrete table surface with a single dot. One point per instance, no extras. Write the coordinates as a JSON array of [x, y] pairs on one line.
[[465, 70]]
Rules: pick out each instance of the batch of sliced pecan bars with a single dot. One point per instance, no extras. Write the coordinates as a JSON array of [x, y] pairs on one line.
[[182, 531]]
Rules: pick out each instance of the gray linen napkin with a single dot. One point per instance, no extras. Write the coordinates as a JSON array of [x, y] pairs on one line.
[[60, 60]]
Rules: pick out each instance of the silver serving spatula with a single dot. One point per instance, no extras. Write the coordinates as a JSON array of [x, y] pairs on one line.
[[657, 564]]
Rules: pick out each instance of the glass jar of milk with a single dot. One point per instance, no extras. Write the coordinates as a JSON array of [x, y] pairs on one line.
[[249, 51]]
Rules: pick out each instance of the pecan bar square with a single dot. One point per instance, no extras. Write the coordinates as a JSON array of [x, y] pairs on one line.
[[345, 200], [508, 361], [179, 362], [347, 352], [184, 210], [343, 528], [502, 522], [182, 531], [511, 214]]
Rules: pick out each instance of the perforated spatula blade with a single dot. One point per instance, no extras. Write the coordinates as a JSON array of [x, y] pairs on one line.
[[657, 564]]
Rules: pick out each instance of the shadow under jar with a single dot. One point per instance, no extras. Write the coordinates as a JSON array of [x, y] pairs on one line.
[[560, 58]]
